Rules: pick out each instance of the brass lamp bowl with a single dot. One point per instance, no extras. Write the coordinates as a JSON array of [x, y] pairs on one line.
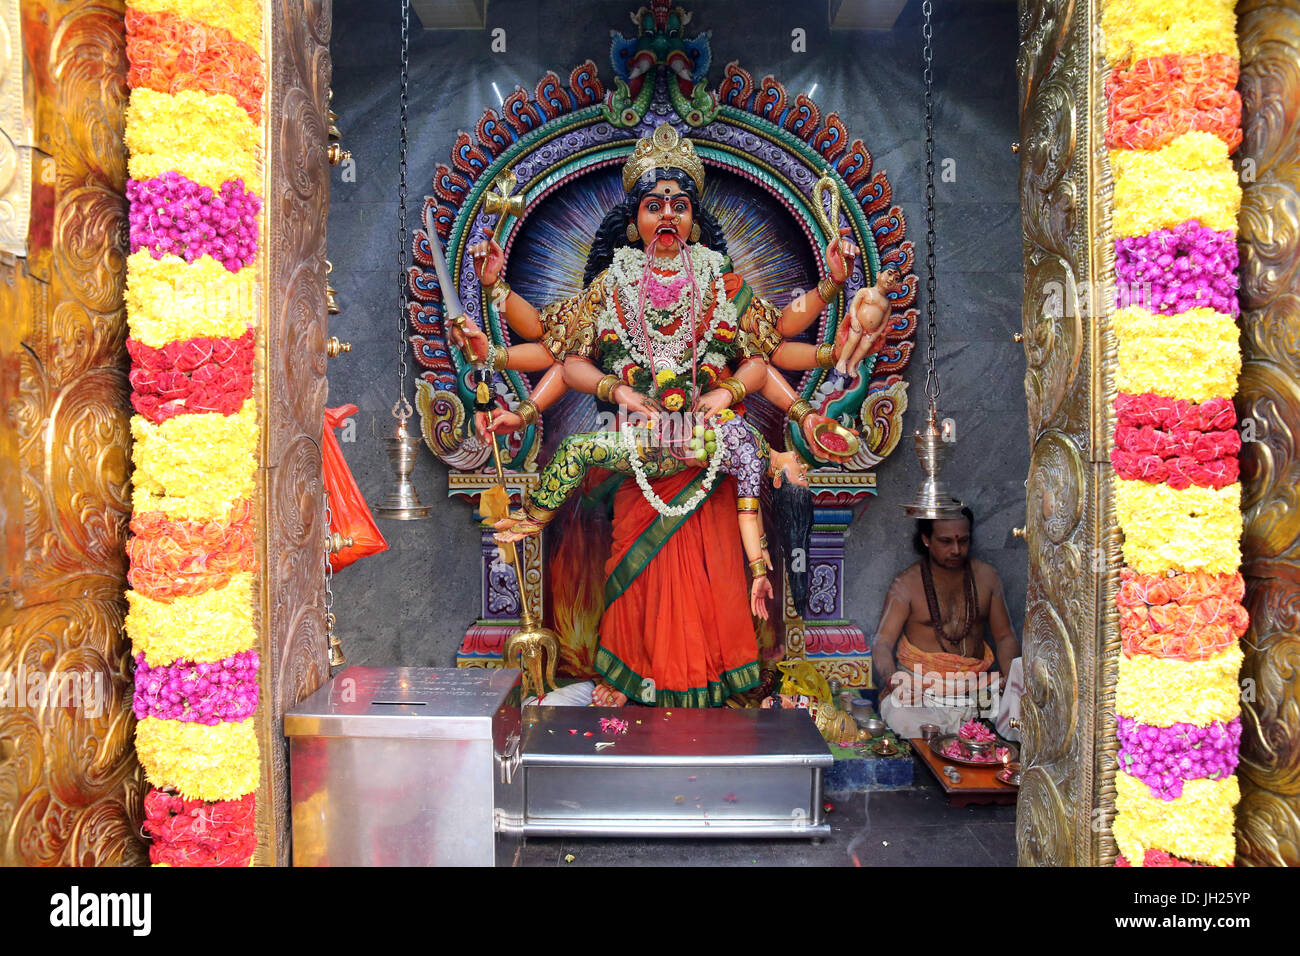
[[851, 441]]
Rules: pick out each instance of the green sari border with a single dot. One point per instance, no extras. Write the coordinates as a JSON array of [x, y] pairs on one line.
[[652, 539], [625, 679]]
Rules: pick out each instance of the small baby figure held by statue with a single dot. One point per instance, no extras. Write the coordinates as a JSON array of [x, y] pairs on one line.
[[863, 332]]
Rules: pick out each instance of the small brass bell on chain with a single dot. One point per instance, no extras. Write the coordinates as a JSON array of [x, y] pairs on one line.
[[331, 294], [336, 646]]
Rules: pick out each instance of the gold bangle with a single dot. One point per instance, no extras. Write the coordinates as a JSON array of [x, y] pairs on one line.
[[828, 289], [747, 504], [736, 387], [800, 409], [527, 410], [537, 513], [605, 387], [826, 355], [758, 567], [762, 541], [499, 358], [498, 292]]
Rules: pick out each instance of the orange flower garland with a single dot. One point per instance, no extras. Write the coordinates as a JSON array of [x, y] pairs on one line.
[[169, 54], [1156, 100]]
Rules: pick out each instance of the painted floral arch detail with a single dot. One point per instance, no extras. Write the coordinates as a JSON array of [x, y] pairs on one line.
[[562, 136]]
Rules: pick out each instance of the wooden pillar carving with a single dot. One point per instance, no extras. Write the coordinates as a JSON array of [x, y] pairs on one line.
[[293, 391]]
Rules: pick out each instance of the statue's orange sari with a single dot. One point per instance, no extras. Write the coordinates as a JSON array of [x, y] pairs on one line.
[[680, 632]]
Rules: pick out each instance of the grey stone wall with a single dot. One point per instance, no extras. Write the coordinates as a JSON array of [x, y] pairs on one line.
[[411, 604]]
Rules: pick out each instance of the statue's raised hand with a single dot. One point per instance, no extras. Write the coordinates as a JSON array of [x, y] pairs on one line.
[[488, 259], [840, 255], [466, 335]]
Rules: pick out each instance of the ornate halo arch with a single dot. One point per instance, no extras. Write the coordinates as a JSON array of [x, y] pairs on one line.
[[562, 137]]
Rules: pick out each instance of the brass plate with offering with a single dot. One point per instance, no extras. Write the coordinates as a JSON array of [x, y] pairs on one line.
[[835, 438], [950, 747]]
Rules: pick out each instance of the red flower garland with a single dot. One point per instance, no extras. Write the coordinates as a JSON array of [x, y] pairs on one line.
[[198, 833], [1154, 857], [194, 375], [1159, 411], [1160, 98]]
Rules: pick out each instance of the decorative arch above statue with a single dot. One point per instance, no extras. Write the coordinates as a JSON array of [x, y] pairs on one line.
[[561, 149]]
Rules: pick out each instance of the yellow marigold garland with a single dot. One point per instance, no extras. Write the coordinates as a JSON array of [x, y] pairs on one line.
[[170, 300], [1141, 28], [195, 465], [1183, 530], [1195, 826], [220, 762], [1163, 691], [204, 627], [1191, 178], [206, 137]]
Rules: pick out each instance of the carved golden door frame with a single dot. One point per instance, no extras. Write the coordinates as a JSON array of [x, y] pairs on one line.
[[1071, 636], [1268, 817], [1071, 629], [292, 394], [70, 788]]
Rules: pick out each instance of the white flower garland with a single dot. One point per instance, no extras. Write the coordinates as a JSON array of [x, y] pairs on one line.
[[624, 279], [659, 505]]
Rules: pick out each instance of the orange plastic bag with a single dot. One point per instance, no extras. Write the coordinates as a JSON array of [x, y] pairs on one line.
[[349, 514]]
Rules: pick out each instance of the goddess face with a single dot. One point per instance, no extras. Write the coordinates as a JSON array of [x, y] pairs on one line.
[[664, 218]]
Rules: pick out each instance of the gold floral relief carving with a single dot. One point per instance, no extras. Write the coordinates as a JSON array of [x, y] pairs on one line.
[[71, 791], [1064, 646]]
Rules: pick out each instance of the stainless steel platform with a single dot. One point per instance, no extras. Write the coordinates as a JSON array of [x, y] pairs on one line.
[[714, 772]]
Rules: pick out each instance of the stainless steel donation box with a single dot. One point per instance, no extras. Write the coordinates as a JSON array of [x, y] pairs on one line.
[[406, 766], [676, 772]]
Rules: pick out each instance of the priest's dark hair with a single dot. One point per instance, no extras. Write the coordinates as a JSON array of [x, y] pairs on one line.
[[925, 526], [613, 228]]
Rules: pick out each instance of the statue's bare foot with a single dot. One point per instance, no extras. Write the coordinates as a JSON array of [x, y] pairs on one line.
[[606, 696], [515, 527]]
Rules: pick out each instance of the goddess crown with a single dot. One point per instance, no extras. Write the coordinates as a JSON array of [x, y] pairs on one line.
[[663, 149]]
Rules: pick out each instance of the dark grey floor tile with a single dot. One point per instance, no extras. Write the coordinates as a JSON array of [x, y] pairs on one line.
[[919, 846], [998, 839]]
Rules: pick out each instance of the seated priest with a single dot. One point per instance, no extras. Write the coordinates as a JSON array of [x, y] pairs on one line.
[[933, 659]]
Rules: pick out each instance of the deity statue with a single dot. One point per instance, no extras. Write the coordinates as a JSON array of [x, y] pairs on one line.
[[664, 327]]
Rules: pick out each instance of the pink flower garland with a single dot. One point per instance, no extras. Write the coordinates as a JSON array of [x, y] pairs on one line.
[[207, 693], [1164, 757], [1171, 271], [171, 214]]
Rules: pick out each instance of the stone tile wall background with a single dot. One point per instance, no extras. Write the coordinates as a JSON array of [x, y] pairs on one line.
[[411, 604]]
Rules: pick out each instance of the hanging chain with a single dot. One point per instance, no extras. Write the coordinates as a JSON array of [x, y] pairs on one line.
[[329, 574], [402, 409], [931, 368]]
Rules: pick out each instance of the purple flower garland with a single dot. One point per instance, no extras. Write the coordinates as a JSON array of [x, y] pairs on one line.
[[173, 214], [1171, 271], [208, 693], [1164, 757]]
